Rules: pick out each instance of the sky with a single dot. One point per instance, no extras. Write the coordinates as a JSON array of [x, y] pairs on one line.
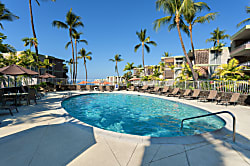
[[110, 28]]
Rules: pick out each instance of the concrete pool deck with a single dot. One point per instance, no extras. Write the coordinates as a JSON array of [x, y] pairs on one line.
[[44, 134]]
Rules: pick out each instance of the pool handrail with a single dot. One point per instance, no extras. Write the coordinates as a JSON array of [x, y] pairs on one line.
[[221, 112]]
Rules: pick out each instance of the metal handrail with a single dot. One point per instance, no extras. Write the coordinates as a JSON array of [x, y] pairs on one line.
[[221, 112]]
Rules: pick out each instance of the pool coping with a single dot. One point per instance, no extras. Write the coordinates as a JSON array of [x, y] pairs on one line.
[[223, 133]]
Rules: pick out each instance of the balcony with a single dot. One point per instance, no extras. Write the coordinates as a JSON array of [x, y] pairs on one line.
[[242, 50]]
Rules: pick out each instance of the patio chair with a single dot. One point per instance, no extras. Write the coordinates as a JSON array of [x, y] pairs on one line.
[[144, 88], [101, 88], [155, 90], [233, 100], [164, 90], [211, 97], [31, 96], [175, 92], [195, 94], [108, 88], [187, 92]]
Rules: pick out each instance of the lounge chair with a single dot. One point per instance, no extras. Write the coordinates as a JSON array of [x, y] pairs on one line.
[[174, 92], [164, 90], [155, 90], [108, 88], [88, 87], [187, 92], [233, 100], [195, 94], [144, 88], [101, 88], [131, 88], [212, 96]]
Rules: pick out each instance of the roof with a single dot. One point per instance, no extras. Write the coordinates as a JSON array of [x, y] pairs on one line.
[[243, 33]]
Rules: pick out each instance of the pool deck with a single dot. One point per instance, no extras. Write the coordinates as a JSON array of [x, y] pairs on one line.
[[44, 134]]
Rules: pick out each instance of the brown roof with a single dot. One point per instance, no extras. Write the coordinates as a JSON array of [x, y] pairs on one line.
[[47, 75], [16, 70]]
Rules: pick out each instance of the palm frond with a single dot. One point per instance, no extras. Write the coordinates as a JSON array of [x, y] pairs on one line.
[[59, 24], [161, 22], [147, 48], [136, 47], [67, 45]]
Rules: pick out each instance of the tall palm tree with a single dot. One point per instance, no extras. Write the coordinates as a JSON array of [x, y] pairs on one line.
[[190, 15], [76, 36], [175, 10], [6, 15], [145, 41], [166, 54], [72, 22], [70, 62], [32, 23], [85, 55], [247, 19], [116, 60]]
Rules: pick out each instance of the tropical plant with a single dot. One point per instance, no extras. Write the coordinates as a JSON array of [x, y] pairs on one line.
[[185, 72], [230, 71], [129, 66], [72, 22], [247, 19], [116, 59], [190, 15], [26, 59], [6, 15], [127, 75], [175, 10], [32, 23], [76, 36], [144, 42], [85, 55]]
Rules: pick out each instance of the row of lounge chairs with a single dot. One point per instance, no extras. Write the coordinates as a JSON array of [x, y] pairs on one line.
[[189, 94]]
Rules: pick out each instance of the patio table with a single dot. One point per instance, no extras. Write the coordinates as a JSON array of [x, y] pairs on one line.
[[15, 97]]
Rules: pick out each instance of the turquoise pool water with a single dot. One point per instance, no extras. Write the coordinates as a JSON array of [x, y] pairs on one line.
[[139, 115]]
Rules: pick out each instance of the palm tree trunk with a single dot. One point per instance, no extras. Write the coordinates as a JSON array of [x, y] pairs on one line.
[[143, 59], [73, 57], [191, 39], [76, 57], [33, 28], [70, 71], [86, 70], [177, 19], [117, 69]]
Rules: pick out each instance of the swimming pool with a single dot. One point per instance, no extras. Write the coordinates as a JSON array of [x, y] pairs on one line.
[[139, 115]]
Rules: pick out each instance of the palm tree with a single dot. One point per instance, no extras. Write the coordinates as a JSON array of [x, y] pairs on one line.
[[217, 35], [76, 37], [175, 10], [29, 41], [6, 15], [129, 66], [70, 62], [5, 48], [247, 19], [166, 54], [72, 22], [32, 23], [145, 41], [85, 55], [116, 60], [190, 15]]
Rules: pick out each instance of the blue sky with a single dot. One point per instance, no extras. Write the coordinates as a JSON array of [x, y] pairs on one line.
[[110, 28]]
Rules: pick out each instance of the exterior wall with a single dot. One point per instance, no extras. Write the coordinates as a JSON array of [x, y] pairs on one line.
[[115, 79]]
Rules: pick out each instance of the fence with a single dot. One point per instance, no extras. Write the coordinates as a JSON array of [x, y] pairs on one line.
[[242, 87]]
